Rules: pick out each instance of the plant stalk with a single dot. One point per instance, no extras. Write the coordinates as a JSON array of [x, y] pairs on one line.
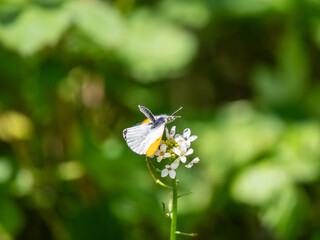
[[154, 177], [174, 213]]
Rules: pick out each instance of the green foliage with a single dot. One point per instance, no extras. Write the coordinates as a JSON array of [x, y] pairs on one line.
[[29, 32], [156, 48], [72, 74], [99, 22], [191, 13]]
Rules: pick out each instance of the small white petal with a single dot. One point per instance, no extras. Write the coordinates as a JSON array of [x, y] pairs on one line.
[[186, 133], [166, 155], [164, 172], [163, 147], [172, 174], [195, 160], [157, 153], [192, 138], [174, 165], [183, 147], [178, 138], [159, 158], [189, 165], [186, 143], [176, 151], [183, 159], [167, 133], [190, 151], [172, 131]]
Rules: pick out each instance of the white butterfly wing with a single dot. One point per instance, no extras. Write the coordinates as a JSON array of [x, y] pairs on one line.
[[140, 137]]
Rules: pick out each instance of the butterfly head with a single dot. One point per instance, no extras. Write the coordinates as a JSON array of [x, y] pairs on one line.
[[171, 118]]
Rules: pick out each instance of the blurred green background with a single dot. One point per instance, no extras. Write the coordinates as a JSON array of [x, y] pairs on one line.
[[72, 74]]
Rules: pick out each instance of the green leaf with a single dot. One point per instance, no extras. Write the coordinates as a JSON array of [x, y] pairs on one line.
[[285, 214], [259, 184], [6, 170], [255, 7], [34, 29], [4, 235], [298, 152], [242, 130], [287, 83], [156, 48], [10, 216], [100, 22], [315, 24], [193, 13]]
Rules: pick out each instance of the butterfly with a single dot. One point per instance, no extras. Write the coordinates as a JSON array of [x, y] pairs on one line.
[[145, 137]]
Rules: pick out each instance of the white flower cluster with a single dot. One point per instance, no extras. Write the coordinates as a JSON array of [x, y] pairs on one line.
[[176, 148]]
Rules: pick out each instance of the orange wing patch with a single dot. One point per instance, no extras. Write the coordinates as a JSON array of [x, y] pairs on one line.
[[145, 121], [153, 147]]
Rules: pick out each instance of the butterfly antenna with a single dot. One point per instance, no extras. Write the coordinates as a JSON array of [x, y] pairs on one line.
[[176, 111]]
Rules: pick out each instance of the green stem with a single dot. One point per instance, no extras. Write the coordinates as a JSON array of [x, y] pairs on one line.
[[174, 212], [185, 194], [154, 177], [187, 234]]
